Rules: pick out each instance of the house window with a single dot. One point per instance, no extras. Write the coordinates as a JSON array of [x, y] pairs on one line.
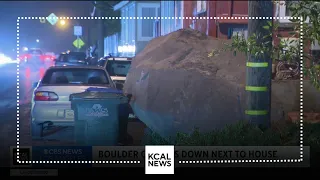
[[168, 10], [147, 24], [201, 6], [240, 32]]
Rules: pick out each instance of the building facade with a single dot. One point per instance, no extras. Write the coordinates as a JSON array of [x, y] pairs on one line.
[[218, 28], [167, 24], [136, 33]]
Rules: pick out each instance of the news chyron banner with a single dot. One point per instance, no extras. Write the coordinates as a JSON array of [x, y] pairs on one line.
[[162, 159]]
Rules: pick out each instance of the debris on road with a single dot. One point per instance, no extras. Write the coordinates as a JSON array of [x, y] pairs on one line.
[[176, 87]]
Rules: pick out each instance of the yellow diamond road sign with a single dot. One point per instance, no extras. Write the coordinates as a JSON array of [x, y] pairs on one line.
[[78, 43]]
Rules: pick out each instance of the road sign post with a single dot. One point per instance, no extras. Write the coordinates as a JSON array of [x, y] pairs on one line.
[[78, 44], [77, 31]]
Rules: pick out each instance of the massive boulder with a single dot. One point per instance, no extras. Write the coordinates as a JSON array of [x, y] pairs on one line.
[[176, 87]]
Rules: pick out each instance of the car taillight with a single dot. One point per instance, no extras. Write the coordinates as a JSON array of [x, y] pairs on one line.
[[25, 56], [45, 96]]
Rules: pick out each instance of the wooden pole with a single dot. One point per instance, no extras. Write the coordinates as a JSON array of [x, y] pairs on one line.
[[259, 69]]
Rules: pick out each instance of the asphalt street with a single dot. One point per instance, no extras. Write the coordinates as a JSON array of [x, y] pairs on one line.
[[9, 79]]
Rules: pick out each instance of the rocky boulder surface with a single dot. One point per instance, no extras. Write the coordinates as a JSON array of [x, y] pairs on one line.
[[176, 87]]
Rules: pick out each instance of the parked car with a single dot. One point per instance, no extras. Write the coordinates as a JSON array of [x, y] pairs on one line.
[[49, 56], [50, 98], [71, 59], [117, 67], [33, 55]]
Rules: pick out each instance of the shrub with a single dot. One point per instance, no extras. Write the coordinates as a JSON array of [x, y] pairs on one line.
[[245, 134]]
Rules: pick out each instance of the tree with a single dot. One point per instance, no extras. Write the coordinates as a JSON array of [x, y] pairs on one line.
[[303, 10], [112, 26], [307, 10]]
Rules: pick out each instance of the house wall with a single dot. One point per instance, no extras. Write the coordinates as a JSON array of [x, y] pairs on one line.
[[171, 9], [190, 10], [145, 30], [127, 41], [135, 33], [216, 28], [111, 44]]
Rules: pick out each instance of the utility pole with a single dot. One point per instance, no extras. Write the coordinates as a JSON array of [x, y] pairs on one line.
[[259, 69], [100, 32]]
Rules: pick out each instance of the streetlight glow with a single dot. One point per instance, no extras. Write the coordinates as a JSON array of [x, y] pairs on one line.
[[62, 22], [38, 40]]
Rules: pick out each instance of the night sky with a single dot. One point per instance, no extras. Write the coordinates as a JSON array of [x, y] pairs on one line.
[[52, 38]]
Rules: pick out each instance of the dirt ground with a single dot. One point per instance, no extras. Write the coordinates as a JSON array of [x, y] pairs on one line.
[[8, 133]]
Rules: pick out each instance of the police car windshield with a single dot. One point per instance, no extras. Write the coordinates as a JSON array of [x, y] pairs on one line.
[[118, 68]]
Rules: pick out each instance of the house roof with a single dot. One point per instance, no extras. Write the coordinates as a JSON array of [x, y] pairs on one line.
[[120, 5]]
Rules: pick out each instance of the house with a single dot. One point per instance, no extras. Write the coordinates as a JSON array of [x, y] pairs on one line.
[[222, 28], [135, 33], [169, 9], [219, 28]]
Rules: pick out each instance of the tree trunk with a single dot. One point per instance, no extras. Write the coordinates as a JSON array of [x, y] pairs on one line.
[[259, 69]]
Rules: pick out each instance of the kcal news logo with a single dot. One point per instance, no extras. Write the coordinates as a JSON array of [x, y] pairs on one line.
[[159, 160]]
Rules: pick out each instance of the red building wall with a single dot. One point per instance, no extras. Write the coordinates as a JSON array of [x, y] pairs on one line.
[[203, 25], [219, 28], [213, 27]]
